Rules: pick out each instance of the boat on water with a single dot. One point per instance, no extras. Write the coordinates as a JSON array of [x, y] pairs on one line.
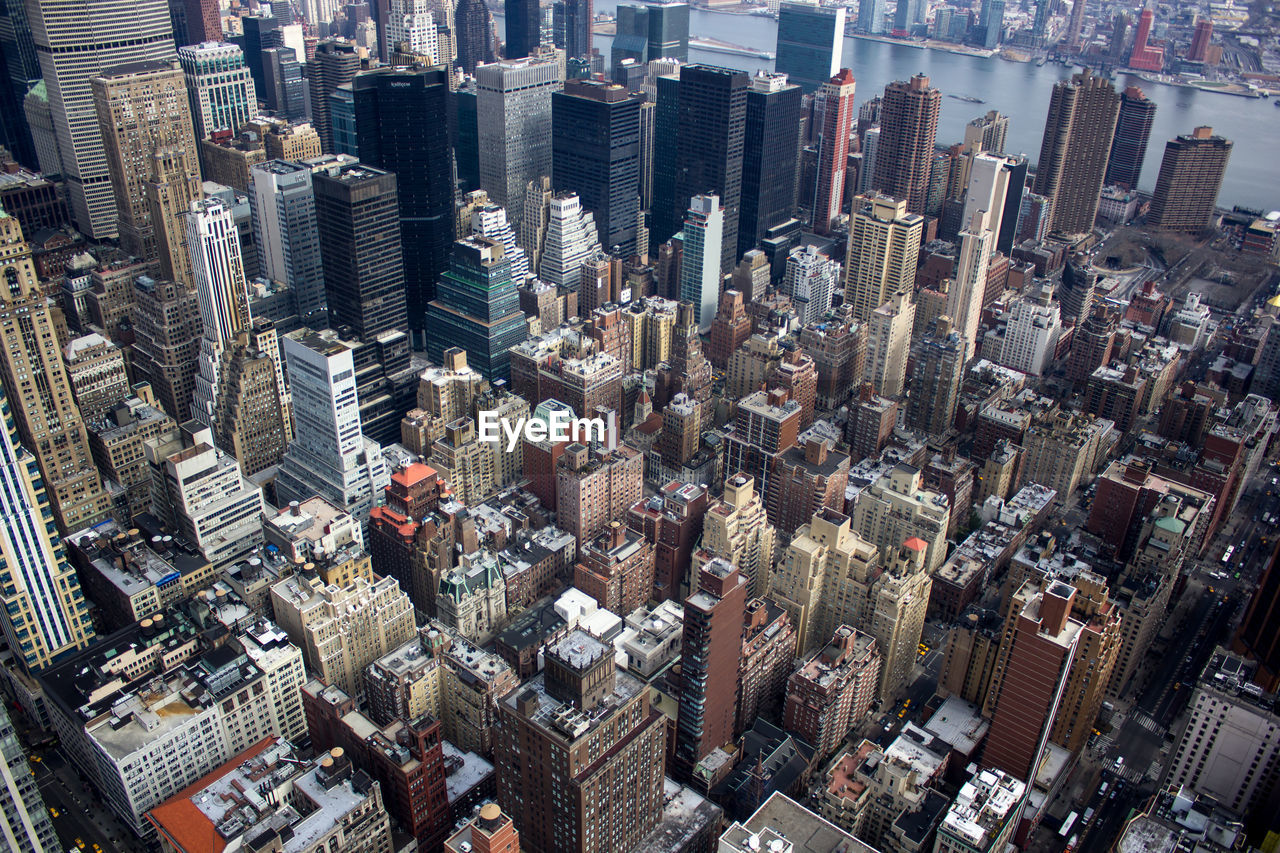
[[969, 99]]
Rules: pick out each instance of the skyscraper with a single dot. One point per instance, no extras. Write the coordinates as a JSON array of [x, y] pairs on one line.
[[987, 133], [282, 80], [473, 33], [1190, 177], [48, 420], [1129, 145], [884, 242], [889, 343], [710, 649], [573, 22], [700, 266], [477, 308], [218, 82], [74, 45], [871, 17], [1200, 40], [595, 140], [261, 31], [513, 106], [141, 108], [908, 128], [810, 43], [810, 280], [770, 156], [574, 738], [1146, 56], [283, 207], [570, 239], [835, 105], [26, 824], [223, 293], [402, 127], [329, 455], [907, 14], [358, 217], [19, 71], [45, 615], [964, 297], [935, 380], [524, 28], [710, 133], [335, 62], [992, 23], [1073, 153], [651, 31], [251, 415]]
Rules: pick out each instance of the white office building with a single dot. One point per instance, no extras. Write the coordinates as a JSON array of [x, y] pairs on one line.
[[700, 265], [811, 278], [571, 239], [964, 298], [1031, 335], [219, 85], [491, 221], [987, 190]]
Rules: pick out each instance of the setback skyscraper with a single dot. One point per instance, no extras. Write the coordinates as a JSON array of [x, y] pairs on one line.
[[402, 127], [1129, 145], [1073, 153], [1190, 177], [770, 156], [477, 308], [810, 43], [336, 62], [700, 268], [908, 128]]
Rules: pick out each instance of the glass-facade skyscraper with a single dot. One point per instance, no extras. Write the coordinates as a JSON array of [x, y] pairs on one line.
[[477, 308], [810, 43]]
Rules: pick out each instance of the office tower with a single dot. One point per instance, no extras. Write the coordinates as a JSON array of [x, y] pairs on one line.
[[700, 267], [810, 43], [1200, 40], [473, 31], [770, 156], [572, 27], [833, 689], [1073, 154], [45, 614], [24, 820], [477, 308], [578, 735], [222, 291], [908, 127], [1031, 335], [513, 103], [988, 189], [1033, 217], [884, 242], [335, 63], [1039, 649], [357, 215], [524, 29], [48, 421], [964, 297], [1146, 56], [871, 17], [401, 128], [251, 417], [261, 31], [1076, 294], [897, 508], [73, 47], [284, 226], [570, 239], [935, 381], [1129, 145], [96, 371], [1015, 189], [650, 32], [19, 72], [409, 29], [987, 133], [218, 82], [489, 220], [595, 141], [710, 650], [711, 130], [141, 109], [166, 347], [833, 120], [811, 280], [992, 23], [1190, 177]]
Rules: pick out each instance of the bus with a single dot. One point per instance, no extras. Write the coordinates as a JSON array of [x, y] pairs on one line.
[[1067, 823], [1226, 555]]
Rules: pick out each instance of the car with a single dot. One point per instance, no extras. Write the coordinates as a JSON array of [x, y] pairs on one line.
[[97, 849], [36, 759], [80, 843], [54, 812]]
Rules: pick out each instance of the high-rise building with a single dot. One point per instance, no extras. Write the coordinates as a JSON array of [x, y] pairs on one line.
[[513, 105], [991, 179], [810, 43], [897, 508], [329, 455], [489, 220], [824, 546], [650, 32], [736, 529], [832, 689], [595, 139], [46, 616], [889, 344], [477, 308], [74, 46], [48, 421], [884, 242], [142, 108], [1146, 56], [987, 133], [1073, 153], [1190, 177], [283, 81], [710, 650], [964, 297], [402, 128], [811, 280], [834, 104], [24, 820], [358, 218], [935, 380], [335, 62], [570, 239], [261, 32], [908, 128], [166, 346], [710, 132], [283, 207], [251, 416], [222, 292], [704, 232], [572, 22], [1129, 145], [524, 29], [595, 488], [577, 736], [473, 32], [871, 17], [1031, 335], [1200, 41], [218, 82], [770, 157]]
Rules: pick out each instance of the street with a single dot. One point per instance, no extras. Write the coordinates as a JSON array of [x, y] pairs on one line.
[[80, 814]]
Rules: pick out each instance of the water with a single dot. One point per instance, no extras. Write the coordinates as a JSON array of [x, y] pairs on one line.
[[1019, 90]]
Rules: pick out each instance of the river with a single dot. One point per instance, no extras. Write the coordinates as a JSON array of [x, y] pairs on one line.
[[1021, 91]]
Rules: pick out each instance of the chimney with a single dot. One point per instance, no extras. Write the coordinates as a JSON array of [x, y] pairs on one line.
[[1055, 607], [815, 451]]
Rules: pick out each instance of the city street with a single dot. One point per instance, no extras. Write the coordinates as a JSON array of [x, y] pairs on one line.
[[80, 814]]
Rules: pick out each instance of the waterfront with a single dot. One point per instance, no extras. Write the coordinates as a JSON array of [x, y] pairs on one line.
[[1021, 91]]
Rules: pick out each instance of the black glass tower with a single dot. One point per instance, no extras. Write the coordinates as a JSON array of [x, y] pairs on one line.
[[524, 28], [1129, 145], [471, 29], [810, 42], [769, 159], [477, 308]]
